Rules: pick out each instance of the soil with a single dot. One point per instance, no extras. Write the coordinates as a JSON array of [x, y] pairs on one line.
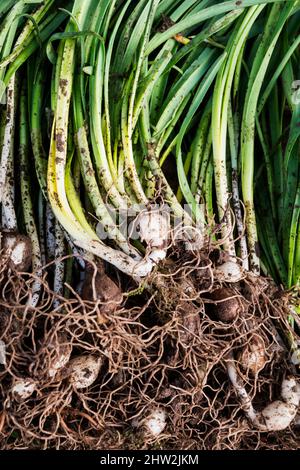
[[162, 348]]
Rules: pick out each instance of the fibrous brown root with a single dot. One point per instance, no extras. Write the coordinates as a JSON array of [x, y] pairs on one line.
[[166, 350]]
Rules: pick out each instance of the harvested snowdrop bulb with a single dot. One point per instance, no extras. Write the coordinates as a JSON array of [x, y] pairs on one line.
[[155, 423], [62, 356], [253, 356], [228, 305], [84, 371], [23, 388], [290, 391], [279, 414], [229, 272], [19, 249]]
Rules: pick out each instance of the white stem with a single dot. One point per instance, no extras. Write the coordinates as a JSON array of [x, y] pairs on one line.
[[241, 391], [8, 133], [9, 219]]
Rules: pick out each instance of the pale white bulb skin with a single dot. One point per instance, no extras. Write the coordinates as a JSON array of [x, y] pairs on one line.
[[23, 388], [278, 415], [155, 423], [84, 371], [229, 272]]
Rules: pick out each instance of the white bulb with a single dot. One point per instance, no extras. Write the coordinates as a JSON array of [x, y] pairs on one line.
[[229, 272], [84, 371], [278, 415], [156, 422], [23, 388]]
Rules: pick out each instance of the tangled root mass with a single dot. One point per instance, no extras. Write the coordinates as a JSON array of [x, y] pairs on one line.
[[162, 353]]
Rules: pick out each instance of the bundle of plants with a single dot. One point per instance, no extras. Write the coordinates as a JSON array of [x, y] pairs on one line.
[[149, 187]]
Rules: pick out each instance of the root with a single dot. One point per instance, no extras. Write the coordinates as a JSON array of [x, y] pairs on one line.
[[166, 352]]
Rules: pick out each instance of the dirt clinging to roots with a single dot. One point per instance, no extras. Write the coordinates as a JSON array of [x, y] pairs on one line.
[[164, 349]]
